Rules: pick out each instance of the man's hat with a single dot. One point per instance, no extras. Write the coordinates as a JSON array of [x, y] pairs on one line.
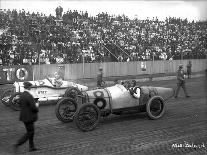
[[100, 68], [27, 85], [180, 66]]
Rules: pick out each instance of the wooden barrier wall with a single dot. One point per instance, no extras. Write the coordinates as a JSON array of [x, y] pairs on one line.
[[89, 70]]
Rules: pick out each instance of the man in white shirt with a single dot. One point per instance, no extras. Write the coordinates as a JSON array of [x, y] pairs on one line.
[[135, 92]]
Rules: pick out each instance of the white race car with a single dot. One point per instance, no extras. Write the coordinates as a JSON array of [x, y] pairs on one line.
[[42, 90], [87, 107]]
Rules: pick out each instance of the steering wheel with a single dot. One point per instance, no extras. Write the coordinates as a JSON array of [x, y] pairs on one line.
[[49, 80]]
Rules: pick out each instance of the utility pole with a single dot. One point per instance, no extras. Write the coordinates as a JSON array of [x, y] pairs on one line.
[[83, 57]]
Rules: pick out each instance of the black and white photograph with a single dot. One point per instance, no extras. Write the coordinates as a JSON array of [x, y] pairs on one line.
[[103, 77]]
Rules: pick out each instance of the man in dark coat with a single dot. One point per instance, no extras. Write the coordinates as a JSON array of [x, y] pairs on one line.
[[28, 115], [100, 78], [180, 81], [189, 71]]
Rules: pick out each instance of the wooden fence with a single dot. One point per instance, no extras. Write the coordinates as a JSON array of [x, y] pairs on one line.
[[89, 70]]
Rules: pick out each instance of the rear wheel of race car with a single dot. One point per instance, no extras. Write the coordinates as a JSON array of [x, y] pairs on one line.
[[14, 101], [87, 117], [6, 96], [155, 107], [65, 109], [73, 93]]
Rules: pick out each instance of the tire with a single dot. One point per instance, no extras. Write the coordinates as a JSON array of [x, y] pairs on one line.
[[73, 93], [69, 107], [155, 107], [6, 96], [87, 117], [14, 102]]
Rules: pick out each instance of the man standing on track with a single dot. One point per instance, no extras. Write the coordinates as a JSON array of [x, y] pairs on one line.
[[189, 72], [100, 78], [28, 115], [180, 81]]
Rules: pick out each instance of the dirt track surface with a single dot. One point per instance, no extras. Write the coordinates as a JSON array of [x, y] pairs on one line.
[[184, 124]]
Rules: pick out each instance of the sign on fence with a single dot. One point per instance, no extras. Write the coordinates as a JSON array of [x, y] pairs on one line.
[[143, 66], [10, 74]]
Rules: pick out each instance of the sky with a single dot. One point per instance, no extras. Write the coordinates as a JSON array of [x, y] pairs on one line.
[[192, 10]]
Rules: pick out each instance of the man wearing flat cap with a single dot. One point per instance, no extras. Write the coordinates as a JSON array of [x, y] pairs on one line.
[[28, 115], [180, 81]]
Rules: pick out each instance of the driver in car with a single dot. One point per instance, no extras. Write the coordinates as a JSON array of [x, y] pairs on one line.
[[58, 81], [135, 92], [132, 88]]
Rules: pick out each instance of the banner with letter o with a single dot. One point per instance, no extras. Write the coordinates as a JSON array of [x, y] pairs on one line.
[[20, 73]]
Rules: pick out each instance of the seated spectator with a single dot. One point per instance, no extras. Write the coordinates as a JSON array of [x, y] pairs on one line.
[[107, 38]]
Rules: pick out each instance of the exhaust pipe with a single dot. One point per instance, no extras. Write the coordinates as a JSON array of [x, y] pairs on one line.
[[48, 99]]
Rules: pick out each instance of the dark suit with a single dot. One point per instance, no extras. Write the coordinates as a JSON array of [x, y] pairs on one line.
[[189, 72], [180, 82], [100, 79], [28, 115]]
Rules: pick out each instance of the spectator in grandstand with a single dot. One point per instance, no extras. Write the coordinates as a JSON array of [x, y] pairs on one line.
[[173, 38], [181, 82], [59, 11]]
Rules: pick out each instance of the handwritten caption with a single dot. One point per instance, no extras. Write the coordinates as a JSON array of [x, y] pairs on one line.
[[188, 145]]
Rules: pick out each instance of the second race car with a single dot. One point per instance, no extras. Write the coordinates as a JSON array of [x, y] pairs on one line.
[[42, 90]]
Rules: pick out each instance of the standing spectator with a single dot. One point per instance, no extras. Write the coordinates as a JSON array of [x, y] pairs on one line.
[[189, 71], [59, 11], [100, 78], [180, 81], [28, 115]]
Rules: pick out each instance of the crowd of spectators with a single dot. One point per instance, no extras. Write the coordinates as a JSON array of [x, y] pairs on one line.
[[68, 37]]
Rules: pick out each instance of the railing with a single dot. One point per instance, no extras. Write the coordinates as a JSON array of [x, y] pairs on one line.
[[74, 71]]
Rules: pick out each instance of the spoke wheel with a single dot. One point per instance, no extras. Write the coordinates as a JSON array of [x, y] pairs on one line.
[[87, 117], [14, 101], [73, 93], [65, 109], [6, 96], [155, 107]]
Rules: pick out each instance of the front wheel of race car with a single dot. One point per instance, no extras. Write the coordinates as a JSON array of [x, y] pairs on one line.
[[6, 96], [14, 101], [155, 107], [87, 117], [65, 109], [73, 93]]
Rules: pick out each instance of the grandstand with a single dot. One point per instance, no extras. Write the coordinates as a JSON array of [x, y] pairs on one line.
[[34, 38]]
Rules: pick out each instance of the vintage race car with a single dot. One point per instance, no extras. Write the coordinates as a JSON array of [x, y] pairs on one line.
[[87, 107], [42, 90]]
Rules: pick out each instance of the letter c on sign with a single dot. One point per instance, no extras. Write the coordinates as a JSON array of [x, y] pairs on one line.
[[22, 74]]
